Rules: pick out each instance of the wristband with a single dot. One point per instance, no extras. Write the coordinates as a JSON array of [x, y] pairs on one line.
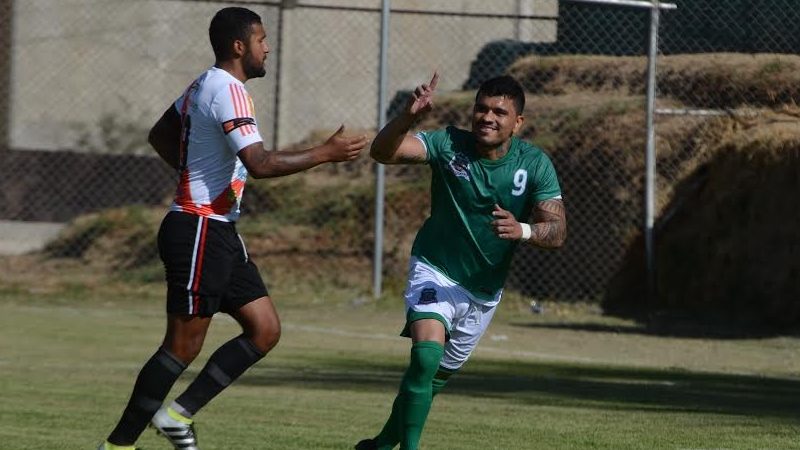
[[526, 231]]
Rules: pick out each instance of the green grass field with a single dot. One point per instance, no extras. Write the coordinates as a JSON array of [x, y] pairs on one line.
[[566, 379]]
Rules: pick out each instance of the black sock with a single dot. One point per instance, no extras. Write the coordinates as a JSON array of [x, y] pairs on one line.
[[222, 369], [152, 385]]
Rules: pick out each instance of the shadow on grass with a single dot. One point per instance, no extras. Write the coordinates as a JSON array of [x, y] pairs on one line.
[[562, 385], [674, 329]]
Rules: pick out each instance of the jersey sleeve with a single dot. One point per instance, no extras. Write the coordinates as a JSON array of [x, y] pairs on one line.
[[546, 185], [235, 114], [433, 141], [178, 104]]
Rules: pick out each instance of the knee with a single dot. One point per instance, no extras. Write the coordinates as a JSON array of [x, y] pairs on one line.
[[186, 350], [418, 379], [185, 335], [266, 338], [425, 357]]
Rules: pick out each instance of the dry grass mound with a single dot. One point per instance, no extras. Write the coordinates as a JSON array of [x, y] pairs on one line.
[[722, 80], [727, 247]]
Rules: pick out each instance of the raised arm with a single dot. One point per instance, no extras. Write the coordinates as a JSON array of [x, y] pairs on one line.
[[548, 230], [164, 137], [393, 144], [269, 164]]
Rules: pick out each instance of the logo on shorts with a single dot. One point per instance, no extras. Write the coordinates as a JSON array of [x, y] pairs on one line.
[[427, 296]]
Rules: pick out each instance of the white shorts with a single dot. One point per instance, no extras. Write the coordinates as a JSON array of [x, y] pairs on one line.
[[429, 294]]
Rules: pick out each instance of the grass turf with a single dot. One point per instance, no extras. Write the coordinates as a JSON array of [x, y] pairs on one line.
[[569, 379]]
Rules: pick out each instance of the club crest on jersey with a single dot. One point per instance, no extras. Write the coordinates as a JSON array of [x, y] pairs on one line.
[[427, 296], [459, 165], [233, 124]]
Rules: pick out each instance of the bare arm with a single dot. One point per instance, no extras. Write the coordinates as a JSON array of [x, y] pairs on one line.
[[549, 227], [165, 138], [393, 145], [548, 230], [269, 164]]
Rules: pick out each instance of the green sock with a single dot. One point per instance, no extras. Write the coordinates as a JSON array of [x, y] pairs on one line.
[[440, 379], [416, 393], [389, 436]]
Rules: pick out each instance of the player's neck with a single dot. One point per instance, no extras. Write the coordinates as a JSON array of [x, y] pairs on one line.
[[494, 153], [233, 67]]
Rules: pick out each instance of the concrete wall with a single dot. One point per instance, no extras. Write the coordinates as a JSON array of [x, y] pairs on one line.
[[93, 75], [76, 62]]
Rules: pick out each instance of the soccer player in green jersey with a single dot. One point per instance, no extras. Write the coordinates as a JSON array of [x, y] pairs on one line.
[[490, 192]]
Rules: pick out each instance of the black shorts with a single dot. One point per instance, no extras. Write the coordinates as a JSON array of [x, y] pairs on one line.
[[206, 265]]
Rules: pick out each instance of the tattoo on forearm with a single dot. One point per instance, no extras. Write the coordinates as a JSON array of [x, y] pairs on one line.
[[549, 229]]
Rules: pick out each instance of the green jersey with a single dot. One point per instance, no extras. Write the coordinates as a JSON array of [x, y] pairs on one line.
[[458, 238]]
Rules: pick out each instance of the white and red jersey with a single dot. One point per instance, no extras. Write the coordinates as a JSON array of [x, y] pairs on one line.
[[217, 121]]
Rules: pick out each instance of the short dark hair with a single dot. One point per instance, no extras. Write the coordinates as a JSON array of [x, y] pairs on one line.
[[230, 25], [504, 86]]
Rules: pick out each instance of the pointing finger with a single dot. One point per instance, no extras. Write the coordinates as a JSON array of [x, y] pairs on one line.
[[434, 80]]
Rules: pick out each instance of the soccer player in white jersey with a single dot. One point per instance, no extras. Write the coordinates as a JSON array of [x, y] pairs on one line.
[[211, 137], [486, 184]]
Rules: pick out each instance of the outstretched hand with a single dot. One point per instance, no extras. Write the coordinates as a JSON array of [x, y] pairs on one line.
[[422, 97], [343, 147], [505, 225]]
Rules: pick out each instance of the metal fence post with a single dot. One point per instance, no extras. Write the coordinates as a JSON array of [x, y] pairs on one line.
[[380, 180], [6, 35], [650, 160], [279, 39]]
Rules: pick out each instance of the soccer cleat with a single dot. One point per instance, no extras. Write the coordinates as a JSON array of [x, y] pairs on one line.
[[178, 430], [367, 444]]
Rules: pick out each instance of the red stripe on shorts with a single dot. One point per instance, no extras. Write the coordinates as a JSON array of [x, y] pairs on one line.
[[198, 268]]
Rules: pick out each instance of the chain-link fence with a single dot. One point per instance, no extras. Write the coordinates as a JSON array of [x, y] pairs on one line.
[[87, 78], [729, 157]]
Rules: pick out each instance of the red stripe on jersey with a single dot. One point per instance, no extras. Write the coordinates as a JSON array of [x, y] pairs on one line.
[[241, 109], [232, 88], [183, 194], [220, 206], [184, 136], [246, 109], [250, 110], [237, 108]]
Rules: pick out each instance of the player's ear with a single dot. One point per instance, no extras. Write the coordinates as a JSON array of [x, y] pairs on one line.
[[239, 48], [518, 124]]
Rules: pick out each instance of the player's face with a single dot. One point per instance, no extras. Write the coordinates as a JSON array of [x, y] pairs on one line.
[[256, 53], [494, 120]]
